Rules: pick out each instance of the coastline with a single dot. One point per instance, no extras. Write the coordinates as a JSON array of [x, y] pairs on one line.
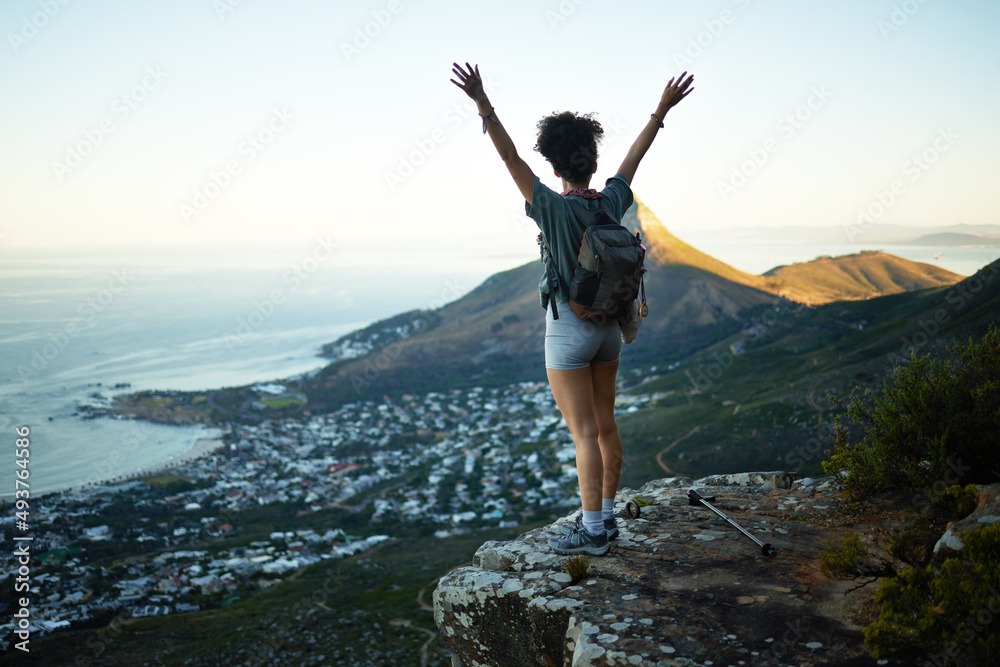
[[206, 441], [202, 444]]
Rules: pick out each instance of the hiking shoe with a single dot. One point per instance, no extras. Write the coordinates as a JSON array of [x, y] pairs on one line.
[[580, 541], [610, 526]]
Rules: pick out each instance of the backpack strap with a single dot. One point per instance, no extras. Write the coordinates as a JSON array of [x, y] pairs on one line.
[[550, 273], [552, 300]]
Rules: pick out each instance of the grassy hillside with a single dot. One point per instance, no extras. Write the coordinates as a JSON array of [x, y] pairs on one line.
[[767, 406], [822, 280], [367, 610], [851, 277]]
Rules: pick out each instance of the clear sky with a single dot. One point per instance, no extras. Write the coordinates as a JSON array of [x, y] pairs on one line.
[[258, 121]]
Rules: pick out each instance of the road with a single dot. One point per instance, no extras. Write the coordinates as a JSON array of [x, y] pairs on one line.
[[666, 450]]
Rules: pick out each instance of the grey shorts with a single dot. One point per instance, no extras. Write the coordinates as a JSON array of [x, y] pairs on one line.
[[572, 343]]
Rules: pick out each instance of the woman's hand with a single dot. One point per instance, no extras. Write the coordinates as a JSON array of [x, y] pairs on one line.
[[675, 92], [677, 89], [469, 81], [472, 85]]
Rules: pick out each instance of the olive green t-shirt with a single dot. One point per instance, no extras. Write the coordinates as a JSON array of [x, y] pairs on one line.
[[563, 229]]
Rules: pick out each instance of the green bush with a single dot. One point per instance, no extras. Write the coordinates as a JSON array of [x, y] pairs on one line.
[[849, 559], [934, 422], [843, 558], [915, 542], [950, 615], [957, 502]]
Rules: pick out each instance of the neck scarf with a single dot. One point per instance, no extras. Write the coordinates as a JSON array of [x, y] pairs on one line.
[[584, 193]]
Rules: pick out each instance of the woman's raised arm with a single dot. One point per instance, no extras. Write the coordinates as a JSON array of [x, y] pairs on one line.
[[472, 84], [672, 94]]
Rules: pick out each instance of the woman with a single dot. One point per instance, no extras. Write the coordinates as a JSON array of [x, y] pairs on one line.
[[581, 358]]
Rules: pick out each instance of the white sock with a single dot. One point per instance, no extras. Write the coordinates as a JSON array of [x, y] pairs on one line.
[[593, 522], [608, 507]]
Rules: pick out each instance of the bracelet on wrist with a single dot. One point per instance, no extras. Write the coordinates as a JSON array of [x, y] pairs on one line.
[[488, 116], [657, 119]]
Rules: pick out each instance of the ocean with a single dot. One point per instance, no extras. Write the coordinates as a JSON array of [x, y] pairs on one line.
[[78, 327]]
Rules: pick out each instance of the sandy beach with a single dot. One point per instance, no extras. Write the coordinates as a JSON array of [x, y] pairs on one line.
[[206, 442], [203, 444]]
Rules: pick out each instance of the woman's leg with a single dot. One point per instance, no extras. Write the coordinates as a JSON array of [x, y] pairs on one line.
[[574, 394], [604, 377]]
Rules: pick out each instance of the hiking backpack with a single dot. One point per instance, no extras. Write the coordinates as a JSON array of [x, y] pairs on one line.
[[608, 275]]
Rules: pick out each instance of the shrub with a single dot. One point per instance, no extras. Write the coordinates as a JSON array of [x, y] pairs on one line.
[[951, 615], [914, 544], [849, 559], [956, 502], [933, 421], [576, 567], [844, 558]]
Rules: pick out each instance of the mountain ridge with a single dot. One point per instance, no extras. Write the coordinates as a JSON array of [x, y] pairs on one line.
[[494, 334], [874, 233], [804, 282]]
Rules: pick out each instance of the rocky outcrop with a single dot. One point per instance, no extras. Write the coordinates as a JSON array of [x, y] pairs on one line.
[[680, 586]]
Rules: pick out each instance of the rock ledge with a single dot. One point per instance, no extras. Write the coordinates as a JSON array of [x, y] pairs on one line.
[[679, 587]]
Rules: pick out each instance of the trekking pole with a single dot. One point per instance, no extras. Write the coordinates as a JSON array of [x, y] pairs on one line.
[[694, 499]]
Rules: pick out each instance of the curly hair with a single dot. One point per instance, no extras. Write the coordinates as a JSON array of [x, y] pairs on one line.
[[569, 142]]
